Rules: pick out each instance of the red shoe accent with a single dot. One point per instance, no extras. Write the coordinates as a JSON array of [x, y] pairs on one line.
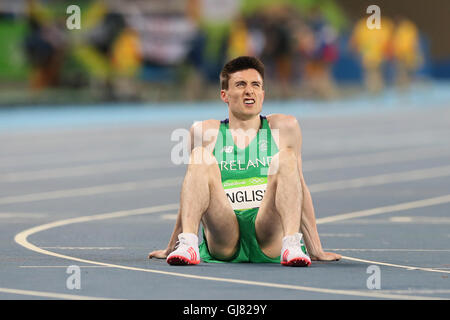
[[182, 261], [297, 262], [285, 254], [192, 253]]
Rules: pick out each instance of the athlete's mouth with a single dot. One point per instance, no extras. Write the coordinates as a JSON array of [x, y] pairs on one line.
[[249, 102]]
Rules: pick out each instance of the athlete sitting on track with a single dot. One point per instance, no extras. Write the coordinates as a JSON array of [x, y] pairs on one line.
[[244, 182]]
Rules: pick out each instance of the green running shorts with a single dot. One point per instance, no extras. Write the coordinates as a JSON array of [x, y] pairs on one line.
[[249, 250]]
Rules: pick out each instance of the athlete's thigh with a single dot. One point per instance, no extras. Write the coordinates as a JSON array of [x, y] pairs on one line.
[[219, 221]]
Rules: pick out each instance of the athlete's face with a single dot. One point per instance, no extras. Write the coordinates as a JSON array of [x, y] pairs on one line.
[[245, 93]]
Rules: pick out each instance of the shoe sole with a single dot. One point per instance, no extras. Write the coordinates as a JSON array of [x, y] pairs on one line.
[[297, 262], [181, 261]]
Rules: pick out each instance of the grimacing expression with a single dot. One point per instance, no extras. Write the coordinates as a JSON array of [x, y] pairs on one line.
[[245, 93]]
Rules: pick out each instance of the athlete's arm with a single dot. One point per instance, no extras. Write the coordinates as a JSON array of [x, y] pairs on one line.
[[308, 226], [162, 254]]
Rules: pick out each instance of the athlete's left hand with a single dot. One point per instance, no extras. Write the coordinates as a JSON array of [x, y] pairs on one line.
[[326, 256]]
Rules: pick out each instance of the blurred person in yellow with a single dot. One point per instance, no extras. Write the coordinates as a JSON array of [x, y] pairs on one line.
[[372, 45], [126, 62], [238, 42], [406, 51]]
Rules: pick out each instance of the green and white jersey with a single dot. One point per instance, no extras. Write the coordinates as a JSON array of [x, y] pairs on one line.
[[244, 171]]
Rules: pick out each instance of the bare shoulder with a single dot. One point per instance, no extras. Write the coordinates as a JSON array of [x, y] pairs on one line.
[[288, 128], [206, 124], [204, 133], [280, 121]]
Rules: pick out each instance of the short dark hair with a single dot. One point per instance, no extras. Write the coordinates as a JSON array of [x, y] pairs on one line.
[[239, 64]]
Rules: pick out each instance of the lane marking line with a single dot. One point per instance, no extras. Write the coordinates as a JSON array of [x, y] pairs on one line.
[[22, 239], [9, 215], [406, 176], [44, 294], [238, 281], [372, 159], [85, 248], [65, 267], [94, 154], [342, 235], [390, 250], [89, 191], [55, 158], [133, 165], [376, 180], [387, 209], [84, 170], [395, 265], [420, 291]]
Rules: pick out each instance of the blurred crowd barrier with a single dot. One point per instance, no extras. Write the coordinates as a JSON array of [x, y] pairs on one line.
[[157, 50]]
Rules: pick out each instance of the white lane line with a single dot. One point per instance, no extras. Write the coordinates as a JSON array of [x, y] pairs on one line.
[[175, 181], [342, 235], [65, 267], [395, 265], [359, 140], [162, 162], [406, 176], [13, 215], [369, 294], [67, 158], [95, 190], [85, 170], [421, 220], [169, 216], [85, 248], [88, 154], [372, 159], [387, 209], [43, 294], [389, 250], [419, 291], [22, 239]]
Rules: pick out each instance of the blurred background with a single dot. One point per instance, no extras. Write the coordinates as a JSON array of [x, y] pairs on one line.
[[173, 50]]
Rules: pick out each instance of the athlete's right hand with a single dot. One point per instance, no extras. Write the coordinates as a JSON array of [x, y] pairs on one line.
[[159, 254]]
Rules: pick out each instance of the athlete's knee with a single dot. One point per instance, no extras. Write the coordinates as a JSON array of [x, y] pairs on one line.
[[201, 156], [223, 252], [284, 160]]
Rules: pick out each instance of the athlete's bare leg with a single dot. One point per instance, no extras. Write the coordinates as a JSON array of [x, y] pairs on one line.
[[280, 211], [203, 199]]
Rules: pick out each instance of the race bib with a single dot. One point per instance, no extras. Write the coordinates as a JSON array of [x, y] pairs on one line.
[[245, 193]]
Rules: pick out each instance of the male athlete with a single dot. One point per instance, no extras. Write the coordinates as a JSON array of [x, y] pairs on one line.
[[244, 183]]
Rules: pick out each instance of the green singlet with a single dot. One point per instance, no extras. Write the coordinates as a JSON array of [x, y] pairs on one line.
[[244, 179]]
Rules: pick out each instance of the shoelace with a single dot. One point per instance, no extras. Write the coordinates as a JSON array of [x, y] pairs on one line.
[[179, 242], [294, 241]]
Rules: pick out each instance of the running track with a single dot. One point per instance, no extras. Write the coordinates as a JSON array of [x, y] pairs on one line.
[[96, 188]]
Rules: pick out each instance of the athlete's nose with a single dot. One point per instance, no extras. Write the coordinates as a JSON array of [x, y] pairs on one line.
[[248, 91]]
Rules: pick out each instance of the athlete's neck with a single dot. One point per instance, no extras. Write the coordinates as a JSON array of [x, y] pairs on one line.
[[244, 124]]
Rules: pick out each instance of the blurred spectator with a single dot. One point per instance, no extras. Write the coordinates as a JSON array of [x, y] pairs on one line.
[[372, 46], [239, 39], [94, 44], [317, 43], [405, 51], [44, 46], [175, 49], [279, 47], [126, 63]]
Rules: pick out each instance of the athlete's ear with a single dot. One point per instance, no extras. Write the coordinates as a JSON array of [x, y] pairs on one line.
[[224, 96]]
